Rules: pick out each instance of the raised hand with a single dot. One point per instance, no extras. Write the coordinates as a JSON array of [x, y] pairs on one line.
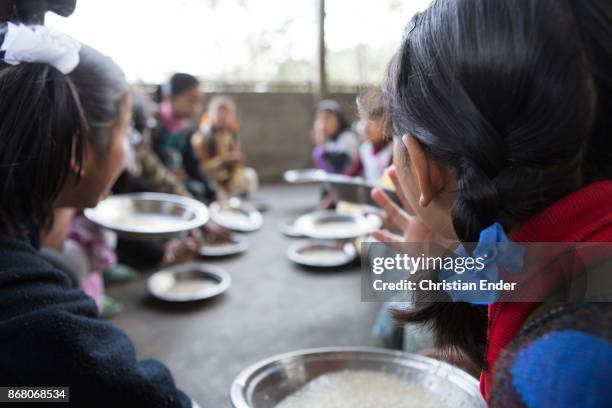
[[406, 227]]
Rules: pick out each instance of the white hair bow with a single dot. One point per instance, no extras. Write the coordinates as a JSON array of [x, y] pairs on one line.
[[39, 44]]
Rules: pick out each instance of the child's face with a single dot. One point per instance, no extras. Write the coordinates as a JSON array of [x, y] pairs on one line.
[[327, 123], [187, 104], [372, 131], [225, 117], [101, 167]]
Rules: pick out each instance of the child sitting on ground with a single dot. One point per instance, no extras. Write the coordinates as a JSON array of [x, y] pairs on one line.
[[335, 144], [217, 146], [376, 152], [171, 136]]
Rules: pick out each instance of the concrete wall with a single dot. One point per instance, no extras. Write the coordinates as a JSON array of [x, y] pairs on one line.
[[275, 128]]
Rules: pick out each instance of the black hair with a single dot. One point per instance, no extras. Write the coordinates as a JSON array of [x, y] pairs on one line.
[[180, 83], [333, 107], [594, 18], [502, 93], [33, 11], [45, 117], [101, 86]]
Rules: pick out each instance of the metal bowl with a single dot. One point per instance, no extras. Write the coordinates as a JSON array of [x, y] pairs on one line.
[[212, 281], [304, 252], [323, 225], [268, 382], [149, 216], [302, 176]]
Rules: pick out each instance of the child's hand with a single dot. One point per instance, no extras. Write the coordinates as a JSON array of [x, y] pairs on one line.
[[180, 174], [233, 157], [180, 251], [318, 136], [215, 233], [233, 125], [410, 228]]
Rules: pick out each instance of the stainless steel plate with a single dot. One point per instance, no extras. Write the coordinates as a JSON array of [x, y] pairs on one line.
[[265, 384], [188, 282], [236, 215], [149, 216], [235, 245], [355, 190], [288, 230], [332, 225], [304, 176], [321, 254]]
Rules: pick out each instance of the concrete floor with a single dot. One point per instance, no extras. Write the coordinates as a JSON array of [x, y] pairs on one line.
[[272, 307]]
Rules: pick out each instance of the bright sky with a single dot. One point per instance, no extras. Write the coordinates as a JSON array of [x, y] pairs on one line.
[[152, 38]]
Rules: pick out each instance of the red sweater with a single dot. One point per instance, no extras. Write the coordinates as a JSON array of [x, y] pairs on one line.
[[583, 216]]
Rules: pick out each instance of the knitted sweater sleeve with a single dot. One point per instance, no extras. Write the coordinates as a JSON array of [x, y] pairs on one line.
[[563, 361], [50, 336]]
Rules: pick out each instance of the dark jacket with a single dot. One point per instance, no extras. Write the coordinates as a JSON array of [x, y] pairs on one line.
[[50, 336]]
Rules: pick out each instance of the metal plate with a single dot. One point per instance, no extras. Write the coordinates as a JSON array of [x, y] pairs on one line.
[[188, 282], [321, 254], [288, 230], [236, 215], [355, 190], [302, 176], [235, 245], [332, 225], [265, 384], [149, 216]]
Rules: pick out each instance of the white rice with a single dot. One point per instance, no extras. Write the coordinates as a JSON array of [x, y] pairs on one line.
[[360, 389]]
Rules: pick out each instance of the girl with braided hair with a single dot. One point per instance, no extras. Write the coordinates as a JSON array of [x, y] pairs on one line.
[[501, 115]]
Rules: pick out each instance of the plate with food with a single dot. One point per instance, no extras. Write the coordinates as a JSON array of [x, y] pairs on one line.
[[236, 215], [149, 216], [188, 282], [321, 254]]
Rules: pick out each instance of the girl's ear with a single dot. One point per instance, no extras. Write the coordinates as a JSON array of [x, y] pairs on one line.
[[429, 174]]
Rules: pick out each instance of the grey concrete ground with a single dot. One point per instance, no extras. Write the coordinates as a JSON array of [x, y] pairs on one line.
[[272, 307]]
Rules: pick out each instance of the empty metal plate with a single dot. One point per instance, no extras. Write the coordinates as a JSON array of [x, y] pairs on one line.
[[236, 215], [188, 282], [333, 225], [301, 176], [321, 254]]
